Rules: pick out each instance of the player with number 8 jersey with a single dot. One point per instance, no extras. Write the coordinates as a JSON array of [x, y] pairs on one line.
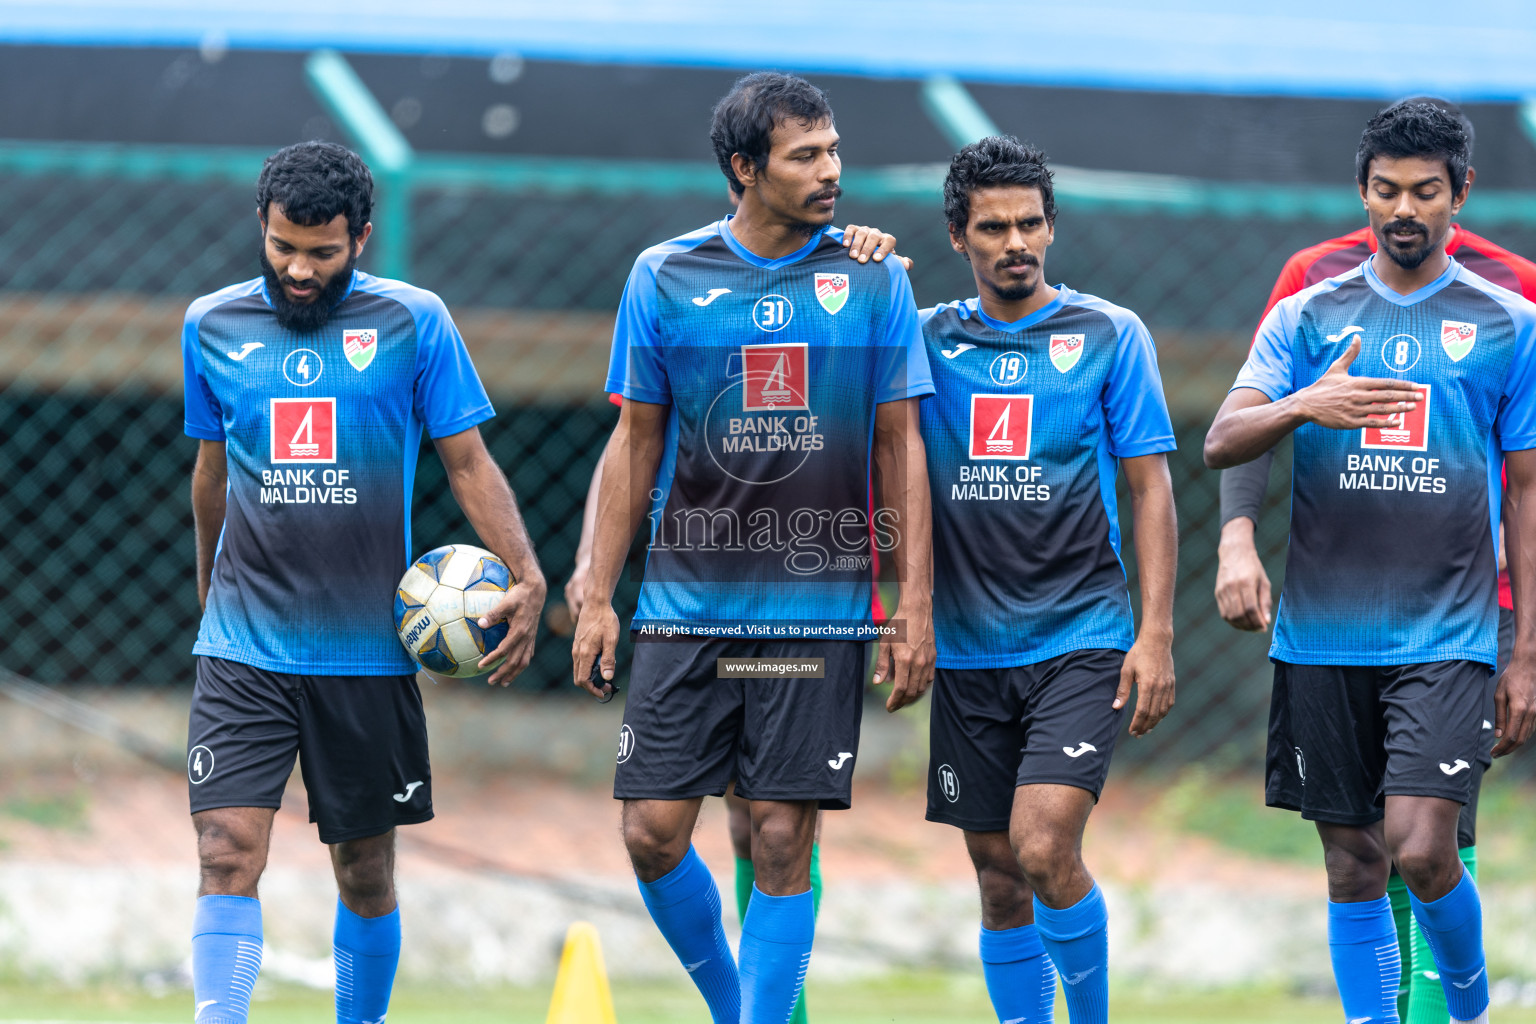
[[1402, 381], [308, 389]]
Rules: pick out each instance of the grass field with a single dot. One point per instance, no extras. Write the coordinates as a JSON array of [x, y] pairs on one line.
[[1231, 811], [924, 998]]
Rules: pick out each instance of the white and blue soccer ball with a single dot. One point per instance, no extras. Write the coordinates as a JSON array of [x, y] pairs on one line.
[[439, 603]]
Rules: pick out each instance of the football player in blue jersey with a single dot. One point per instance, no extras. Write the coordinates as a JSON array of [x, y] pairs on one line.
[[1043, 394], [307, 389], [762, 372], [1403, 380], [862, 244]]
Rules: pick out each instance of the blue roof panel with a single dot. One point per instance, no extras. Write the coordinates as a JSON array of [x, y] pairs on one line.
[[1476, 50]]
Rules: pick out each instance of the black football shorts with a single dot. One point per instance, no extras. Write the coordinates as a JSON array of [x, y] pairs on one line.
[[688, 733], [1342, 738], [992, 730], [361, 742]]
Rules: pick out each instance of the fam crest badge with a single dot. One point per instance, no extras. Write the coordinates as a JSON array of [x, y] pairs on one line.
[[1066, 350], [360, 346], [1457, 338], [832, 291]]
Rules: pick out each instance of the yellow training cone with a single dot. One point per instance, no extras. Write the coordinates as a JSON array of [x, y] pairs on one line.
[[581, 987]]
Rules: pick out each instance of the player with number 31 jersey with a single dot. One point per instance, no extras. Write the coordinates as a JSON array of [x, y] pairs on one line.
[[762, 375]]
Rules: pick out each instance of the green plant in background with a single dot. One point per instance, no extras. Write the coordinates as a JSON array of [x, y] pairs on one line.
[[1232, 812], [58, 811], [1506, 829]]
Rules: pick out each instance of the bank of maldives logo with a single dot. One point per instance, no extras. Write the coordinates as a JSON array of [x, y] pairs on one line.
[[1000, 426], [1411, 435], [303, 430], [832, 291], [775, 377], [360, 346]]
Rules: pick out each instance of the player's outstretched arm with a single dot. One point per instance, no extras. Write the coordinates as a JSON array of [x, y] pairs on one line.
[[210, 481], [1248, 424], [624, 494], [1149, 663], [901, 467], [1515, 699], [575, 587], [482, 491], [865, 244]]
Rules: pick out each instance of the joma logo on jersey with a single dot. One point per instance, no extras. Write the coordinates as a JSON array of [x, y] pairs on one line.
[[832, 291], [303, 430], [1412, 435], [360, 346], [1000, 426], [775, 377]]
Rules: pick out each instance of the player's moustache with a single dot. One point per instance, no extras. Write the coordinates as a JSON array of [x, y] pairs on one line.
[[1023, 260], [1407, 225], [831, 192]]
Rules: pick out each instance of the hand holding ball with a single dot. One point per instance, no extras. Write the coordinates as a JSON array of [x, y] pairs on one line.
[[439, 603]]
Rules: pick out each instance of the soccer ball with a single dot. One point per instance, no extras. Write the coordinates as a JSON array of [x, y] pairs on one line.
[[439, 602]]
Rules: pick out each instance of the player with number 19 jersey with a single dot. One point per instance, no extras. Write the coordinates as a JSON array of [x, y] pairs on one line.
[[1024, 436], [1393, 552]]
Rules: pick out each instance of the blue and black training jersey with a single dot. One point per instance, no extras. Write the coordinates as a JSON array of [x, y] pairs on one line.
[[760, 521], [1394, 530], [321, 434], [1024, 435]]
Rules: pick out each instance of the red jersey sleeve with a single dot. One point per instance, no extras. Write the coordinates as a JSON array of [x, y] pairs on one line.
[[1523, 269], [1293, 276], [1290, 280]]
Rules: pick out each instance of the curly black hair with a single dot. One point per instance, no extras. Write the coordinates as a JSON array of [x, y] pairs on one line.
[[993, 161], [1417, 128], [1450, 108], [744, 119], [313, 182]]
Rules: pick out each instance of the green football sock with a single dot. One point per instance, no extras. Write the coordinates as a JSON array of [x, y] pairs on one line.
[[816, 875], [746, 878], [1402, 920], [1426, 999]]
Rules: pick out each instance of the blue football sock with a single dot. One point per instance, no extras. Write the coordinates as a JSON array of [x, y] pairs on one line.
[[1077, 940], [367, 951], [1367, 965], [226, 956], [1453, 927], [685, 904], [775, 951], [1020, 978]]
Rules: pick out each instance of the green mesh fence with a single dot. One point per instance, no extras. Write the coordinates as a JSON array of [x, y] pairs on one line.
[[94, 513]]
